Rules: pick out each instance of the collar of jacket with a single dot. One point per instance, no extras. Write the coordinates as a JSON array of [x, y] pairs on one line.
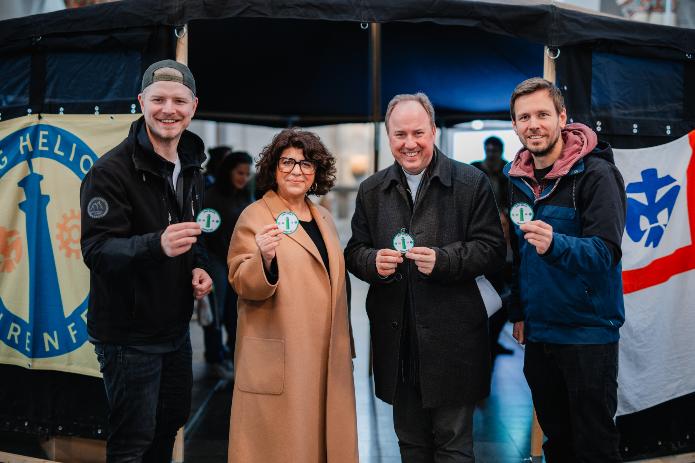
[[438, 168], [190, 149], [578, 141]]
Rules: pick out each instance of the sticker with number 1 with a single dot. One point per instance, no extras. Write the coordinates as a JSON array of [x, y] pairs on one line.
[[403, 241], [209, 220], [521, 213]]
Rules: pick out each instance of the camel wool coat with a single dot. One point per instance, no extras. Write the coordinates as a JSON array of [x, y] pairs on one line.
[[294, 396]]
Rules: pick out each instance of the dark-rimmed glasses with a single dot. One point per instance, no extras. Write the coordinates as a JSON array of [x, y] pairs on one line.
[[286, 165]]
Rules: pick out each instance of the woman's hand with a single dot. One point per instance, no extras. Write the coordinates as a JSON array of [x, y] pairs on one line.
[[267, 240]]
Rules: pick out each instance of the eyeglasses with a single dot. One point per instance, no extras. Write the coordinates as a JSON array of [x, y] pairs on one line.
[[286, 165]]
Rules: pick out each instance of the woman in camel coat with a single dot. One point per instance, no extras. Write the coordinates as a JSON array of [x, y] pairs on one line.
[[294, 397]]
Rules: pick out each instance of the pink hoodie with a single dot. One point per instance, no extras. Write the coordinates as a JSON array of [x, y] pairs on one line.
[[578, 141]]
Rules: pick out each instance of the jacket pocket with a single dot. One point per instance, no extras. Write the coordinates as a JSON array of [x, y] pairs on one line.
[[563, 219], [261, 368]]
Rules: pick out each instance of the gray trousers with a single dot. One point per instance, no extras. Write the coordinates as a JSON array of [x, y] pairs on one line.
[[432, 435]]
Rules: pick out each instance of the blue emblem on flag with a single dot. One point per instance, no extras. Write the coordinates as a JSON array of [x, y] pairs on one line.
[[652, 217], [48, 330]]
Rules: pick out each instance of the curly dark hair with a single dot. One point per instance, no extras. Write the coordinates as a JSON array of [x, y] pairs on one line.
[[313, 150]]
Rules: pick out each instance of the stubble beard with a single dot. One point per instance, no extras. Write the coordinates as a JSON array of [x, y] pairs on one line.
[[155, 133], [547, 150]]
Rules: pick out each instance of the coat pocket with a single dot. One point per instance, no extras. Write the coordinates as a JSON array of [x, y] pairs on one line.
[[261, 368]]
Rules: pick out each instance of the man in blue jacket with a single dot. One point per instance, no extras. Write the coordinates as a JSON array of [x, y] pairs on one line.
[[567, 302]]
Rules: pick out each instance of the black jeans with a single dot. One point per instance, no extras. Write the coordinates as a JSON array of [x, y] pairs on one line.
[[427, 435], [574, 389], [224, 302], [149, 398]]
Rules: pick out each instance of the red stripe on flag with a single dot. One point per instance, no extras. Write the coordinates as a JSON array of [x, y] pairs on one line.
[[681, 260]]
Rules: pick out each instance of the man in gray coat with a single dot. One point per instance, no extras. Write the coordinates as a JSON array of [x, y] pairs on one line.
[[428, 322]]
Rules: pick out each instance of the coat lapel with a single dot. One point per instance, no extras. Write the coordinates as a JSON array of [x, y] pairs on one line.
[[276, 205]]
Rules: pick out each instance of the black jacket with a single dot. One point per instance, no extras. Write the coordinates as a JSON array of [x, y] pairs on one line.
[[455, 214], [138, 295]]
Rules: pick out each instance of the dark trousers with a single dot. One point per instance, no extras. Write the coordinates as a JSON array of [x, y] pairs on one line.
[[428, 435], [223, 300], [149, 398], [574, 389]]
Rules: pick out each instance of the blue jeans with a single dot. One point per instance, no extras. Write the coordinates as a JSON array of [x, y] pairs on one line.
[[149, 398], [574, 390]]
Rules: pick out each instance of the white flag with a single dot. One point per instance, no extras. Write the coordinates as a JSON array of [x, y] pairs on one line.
[[657, 342]]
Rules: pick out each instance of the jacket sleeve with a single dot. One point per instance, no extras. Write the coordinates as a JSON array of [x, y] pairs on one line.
[[485, 249], [246, 273], [514, 309], [106, 241], [602, 208], [360, 253]]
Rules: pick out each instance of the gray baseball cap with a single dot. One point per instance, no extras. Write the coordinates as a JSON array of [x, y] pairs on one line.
[[183, 76]]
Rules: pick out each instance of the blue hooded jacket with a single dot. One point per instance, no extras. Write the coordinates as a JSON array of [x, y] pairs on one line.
[[573, 293]]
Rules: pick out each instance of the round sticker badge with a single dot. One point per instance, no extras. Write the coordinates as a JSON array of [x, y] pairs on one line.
[[287, 222], [403, 241], [97, 207], [521, 213], [209, 220]]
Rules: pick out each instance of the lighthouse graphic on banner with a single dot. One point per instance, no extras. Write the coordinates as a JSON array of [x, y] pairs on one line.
[[44, 284], [44, 328]]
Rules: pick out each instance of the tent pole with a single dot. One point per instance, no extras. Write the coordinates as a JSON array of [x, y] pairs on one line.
[[536, 431], [182, 57], [182, 44], [549, 65], [375, 55]]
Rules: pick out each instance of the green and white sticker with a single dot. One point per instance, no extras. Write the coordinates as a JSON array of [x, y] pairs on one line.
[[209, 220], [287, 222], [521, 213], [403, 241]]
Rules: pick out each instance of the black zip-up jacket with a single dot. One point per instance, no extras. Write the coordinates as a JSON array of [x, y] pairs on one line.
[[138, 295]]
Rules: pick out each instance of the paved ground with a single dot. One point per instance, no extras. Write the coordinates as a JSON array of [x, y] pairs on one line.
[[502, 422]]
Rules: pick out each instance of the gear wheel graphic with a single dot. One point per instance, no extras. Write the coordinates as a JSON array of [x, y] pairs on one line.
[[69, 234], [10, 250]]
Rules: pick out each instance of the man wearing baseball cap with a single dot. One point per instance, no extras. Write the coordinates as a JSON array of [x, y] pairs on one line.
[[139, 239]]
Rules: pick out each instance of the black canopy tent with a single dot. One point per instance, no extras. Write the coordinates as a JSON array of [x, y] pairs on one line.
[[284, 62], [297, 62]]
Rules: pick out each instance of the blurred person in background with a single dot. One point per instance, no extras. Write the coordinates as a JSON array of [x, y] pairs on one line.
[[501, 279], [215, 157], [229, 195]]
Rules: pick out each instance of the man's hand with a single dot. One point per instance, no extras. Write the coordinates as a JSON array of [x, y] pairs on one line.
[[538, 234], [179, 237], [518, 332], [424, 258], [386, 261], [267, 240], [202, 283]]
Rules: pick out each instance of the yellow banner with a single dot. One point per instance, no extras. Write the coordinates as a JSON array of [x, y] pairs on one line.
[[44, 285]]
